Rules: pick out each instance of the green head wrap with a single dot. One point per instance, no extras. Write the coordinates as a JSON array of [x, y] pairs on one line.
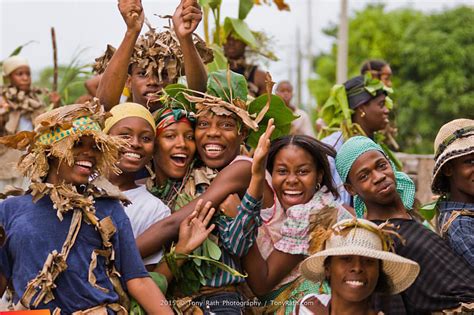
[[350, 152]]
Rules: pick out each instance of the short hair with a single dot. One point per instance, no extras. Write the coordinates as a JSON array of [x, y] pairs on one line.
[[283, 82], [317, 149], [372, 65]]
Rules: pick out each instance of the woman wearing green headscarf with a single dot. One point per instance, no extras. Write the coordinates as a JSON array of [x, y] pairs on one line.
[[445, 280]]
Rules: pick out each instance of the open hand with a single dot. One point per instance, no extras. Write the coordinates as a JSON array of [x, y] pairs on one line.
[[193, 231], [132, 13], [259, 162], [186, 18]]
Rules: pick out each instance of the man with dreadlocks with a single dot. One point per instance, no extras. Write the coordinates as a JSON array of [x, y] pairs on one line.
[[70, 246], [154, 60]]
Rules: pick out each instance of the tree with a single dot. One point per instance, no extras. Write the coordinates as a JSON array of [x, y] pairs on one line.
[[432, 60]]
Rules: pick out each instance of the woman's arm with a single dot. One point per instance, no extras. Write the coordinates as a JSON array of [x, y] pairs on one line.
[[234, 178], [264, 275], [149, 296], [113, 79]]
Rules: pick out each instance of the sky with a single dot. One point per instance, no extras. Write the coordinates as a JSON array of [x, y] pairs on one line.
[[87, 26]]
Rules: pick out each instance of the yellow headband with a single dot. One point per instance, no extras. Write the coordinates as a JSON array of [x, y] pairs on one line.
[[126, 110]]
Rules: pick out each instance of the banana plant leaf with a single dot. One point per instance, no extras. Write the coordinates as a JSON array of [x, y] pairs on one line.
[[219, 85], [281, 114], [244, 8], [219, 62], [240, 29]]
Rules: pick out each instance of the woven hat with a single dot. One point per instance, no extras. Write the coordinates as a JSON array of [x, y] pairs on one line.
[[362, 238], [454, 139]]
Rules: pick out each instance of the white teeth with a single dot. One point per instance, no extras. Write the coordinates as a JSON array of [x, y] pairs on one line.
[[292, 192], [84, 163], [132, 155], [355, 283], [213, 147], [184, 156]]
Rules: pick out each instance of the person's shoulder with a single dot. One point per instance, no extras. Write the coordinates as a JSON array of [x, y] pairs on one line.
[[16, 201], [335, 139]]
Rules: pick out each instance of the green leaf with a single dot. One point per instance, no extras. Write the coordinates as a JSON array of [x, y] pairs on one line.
[[175, 92], [244, 8], [217, 85], [220, 61], [240, 30], [17, 50], [160, 281], [428, 211], [282, 115], [212, 248], [214, 4]]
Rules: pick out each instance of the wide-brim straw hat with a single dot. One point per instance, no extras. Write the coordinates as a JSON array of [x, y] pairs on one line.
[[454, 139], [360, 241]]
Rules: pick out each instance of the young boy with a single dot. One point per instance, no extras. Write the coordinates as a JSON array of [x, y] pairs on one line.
[[445, 280], [146, 74], [69, 242], [453, 178]]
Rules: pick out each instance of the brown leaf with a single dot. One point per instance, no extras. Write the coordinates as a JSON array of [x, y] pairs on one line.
[[18, 141]]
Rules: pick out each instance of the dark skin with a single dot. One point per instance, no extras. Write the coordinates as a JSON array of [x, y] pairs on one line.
[[372, 178], [460, 174], [372, 116], [234, 178]]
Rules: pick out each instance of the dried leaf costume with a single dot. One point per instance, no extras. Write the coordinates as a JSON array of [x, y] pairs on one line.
[[87, 270]]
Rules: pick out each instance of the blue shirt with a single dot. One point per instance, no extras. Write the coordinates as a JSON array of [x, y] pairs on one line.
[[460, 234], [33, 231]]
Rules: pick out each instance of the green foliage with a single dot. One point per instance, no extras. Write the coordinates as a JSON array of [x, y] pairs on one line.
[[227, 85], [244, 8], [432, 58], [282, 115]]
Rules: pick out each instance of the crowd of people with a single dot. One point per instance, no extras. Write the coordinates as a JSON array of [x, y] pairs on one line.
[[203, 198]]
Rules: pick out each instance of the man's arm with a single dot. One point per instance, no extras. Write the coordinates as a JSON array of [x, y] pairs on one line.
[[149, 296], [115, 75], [185, 20]]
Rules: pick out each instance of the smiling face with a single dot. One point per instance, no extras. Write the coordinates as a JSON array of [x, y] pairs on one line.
[[141, 138], [294, 176], [460, 174], [218, 140], [21, 78], [144, 88], [175, 148], [352, 278], [376, 114], [86, 154], [372, 178]]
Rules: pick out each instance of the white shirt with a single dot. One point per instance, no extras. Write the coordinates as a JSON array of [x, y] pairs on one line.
[[145, 210]]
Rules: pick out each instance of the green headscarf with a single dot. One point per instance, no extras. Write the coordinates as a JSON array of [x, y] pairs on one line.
[[350, 152]]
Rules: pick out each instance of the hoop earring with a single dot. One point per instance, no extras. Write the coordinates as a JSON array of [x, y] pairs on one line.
[[362, 114]]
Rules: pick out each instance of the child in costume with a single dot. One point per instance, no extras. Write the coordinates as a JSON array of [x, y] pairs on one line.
[[70, 246], [155, 60], [20, 104]]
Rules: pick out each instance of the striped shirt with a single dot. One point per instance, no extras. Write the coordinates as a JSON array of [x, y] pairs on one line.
[[445, 279], [236, 236]]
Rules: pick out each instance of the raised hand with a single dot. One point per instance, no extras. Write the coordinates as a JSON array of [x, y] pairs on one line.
[[193, 231], [132, 13], [186, 18], [261, 152]]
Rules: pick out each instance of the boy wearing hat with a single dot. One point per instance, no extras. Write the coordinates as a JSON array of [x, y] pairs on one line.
[[453, 179]]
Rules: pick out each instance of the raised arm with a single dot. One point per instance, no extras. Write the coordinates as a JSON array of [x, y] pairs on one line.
[[115, 75], [234, 178], [185, 20]]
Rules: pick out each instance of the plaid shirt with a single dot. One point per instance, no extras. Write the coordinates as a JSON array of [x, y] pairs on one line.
[[445, 279], [460, 234], [236, 236]]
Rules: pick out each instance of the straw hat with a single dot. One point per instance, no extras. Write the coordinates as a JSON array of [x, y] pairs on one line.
[[454, 139], [361, 241]]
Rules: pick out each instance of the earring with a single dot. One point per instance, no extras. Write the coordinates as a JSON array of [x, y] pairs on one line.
[[318, 186], [362, 114]]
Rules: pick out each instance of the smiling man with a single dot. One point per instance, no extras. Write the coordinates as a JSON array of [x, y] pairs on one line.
[[445, 280]]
